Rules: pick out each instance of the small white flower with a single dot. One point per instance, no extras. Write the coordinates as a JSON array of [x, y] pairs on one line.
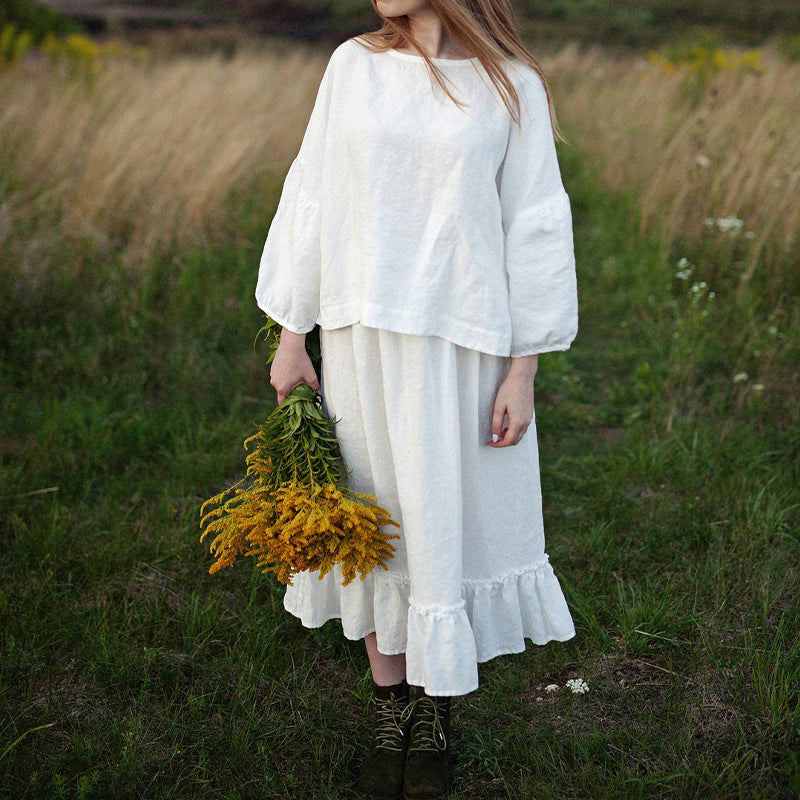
[[758, 387], [684, 274], [741, 377], [551, 687], [712, 295], [727, 224], [730, 224], [703, 161], [577, 686], [772, 330]]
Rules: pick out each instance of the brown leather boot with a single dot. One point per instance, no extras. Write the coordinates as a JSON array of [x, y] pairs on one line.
[[429, 765], [382, 770]]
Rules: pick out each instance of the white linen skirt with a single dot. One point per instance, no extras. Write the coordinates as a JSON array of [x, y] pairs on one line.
[[470, 579]]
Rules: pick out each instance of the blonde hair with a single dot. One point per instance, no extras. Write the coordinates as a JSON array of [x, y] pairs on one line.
[[483, 28]]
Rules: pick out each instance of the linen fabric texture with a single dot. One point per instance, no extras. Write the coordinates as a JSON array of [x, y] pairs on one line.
[[406, 212], [470, 579], [431, 242]]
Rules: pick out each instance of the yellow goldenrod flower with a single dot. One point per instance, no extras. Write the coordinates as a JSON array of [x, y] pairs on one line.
[[292, 511]]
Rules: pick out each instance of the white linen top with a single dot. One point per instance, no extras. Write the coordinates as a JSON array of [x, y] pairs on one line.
[[405, 212]]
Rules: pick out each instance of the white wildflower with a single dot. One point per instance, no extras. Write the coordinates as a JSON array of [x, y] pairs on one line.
[[684, 269], [577, 686], [699, 287], [726, 224], [758, 387], [772, 330], [551, 687], [703, 161], [741, 377], [730, 224]]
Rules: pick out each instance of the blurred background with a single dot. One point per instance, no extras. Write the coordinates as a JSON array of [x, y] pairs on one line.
[[623, 21]]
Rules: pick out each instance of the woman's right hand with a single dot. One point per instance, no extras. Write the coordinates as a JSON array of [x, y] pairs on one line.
[[292, 365]]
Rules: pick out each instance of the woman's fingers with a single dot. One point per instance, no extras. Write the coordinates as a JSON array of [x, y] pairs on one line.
[[510, 436], [498, 418], [310, 379], [313, 380], [514, 401], [285, 389], [514, 433], [291, 367]]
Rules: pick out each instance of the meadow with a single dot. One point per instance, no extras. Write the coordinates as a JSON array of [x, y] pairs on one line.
[[135, 194]]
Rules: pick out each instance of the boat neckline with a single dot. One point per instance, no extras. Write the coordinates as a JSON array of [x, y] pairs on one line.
[[437, 61]]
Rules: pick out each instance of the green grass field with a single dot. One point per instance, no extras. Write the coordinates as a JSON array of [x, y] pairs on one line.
[[672, 512]]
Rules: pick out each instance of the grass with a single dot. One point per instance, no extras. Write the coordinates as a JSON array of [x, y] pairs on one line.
[[131, 153], [705, 132], [672, 516]]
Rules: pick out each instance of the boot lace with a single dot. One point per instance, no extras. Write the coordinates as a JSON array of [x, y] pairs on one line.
[[427, 732], [389, 719]]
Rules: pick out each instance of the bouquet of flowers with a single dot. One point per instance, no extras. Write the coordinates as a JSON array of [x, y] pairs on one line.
[[292, 511]]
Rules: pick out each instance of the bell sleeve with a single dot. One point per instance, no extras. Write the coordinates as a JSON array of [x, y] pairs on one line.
[[537, 226], [288, 286]]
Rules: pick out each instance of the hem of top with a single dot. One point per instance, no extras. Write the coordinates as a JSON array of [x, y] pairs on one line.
[[381, 318], [549, 347], [459, 334], [281, 319]]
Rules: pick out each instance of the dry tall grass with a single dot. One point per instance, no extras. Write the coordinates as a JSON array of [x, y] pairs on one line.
[[145, 153], [692, 147]]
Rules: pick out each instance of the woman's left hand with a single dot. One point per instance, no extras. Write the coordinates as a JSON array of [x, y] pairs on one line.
[[514, 400]]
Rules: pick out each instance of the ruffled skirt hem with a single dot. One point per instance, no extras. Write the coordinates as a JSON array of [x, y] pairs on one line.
[[494, 618]]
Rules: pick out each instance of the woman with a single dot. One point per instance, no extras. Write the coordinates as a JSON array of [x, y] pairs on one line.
[[425, 228]]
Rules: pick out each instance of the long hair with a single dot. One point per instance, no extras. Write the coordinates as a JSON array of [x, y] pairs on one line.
[[483, 28]]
